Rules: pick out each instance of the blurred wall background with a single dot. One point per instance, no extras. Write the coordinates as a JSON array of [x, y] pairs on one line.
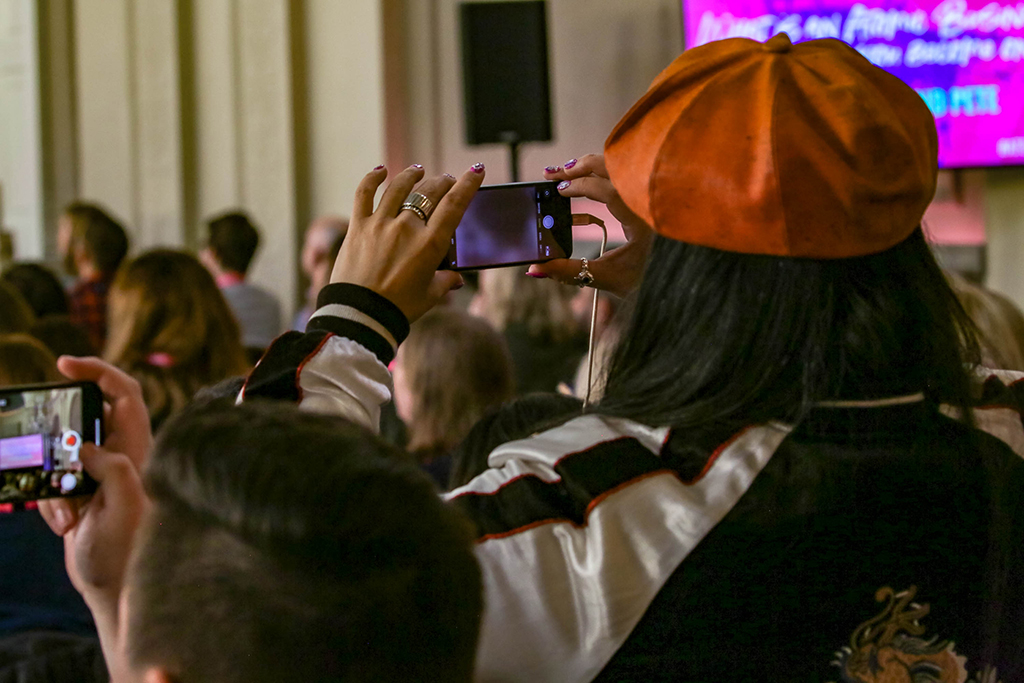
[[168, 111]]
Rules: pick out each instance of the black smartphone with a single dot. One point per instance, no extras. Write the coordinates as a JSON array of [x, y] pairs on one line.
[[512, 224], [42, 429]]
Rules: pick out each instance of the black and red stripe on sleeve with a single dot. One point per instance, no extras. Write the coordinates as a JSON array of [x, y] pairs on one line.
[[343, 310]]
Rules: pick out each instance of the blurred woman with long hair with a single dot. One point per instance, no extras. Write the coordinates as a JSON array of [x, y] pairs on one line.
[[171, 329], [449, 373], [797, 464], [536, 316]]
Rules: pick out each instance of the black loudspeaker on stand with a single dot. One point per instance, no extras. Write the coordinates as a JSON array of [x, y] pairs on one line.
[[505, 74]]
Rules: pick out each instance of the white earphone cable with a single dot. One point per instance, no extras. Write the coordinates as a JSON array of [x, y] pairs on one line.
[[587, 219]]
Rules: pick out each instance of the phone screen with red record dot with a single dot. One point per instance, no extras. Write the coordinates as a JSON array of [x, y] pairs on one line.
[[42, 429]]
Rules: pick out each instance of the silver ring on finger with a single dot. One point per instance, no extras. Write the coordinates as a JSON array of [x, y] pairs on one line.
[[419, 205], [584, 278]]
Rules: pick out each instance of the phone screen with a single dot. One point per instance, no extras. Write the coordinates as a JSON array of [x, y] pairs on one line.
[[512, 224], [42, 430]]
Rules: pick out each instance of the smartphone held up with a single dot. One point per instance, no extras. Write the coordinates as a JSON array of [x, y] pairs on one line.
[[512, 224], [42, 429]]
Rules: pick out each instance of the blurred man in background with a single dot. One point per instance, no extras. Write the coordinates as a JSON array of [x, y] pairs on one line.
[[319, 249], [92, 245], [231, 244]]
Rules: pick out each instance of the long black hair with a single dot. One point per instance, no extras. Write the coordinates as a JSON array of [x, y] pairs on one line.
[[719, 337]]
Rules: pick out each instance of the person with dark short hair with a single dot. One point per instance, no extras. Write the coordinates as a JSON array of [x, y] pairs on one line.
[[231, 245], [92, 245], [261, 543], [40, 287], [797, 470]]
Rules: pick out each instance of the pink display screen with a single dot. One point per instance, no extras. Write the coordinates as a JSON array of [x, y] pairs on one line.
[[965, 58], [17, 452]]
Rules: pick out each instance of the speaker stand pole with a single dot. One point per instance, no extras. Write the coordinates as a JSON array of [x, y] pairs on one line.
[[513, 161]]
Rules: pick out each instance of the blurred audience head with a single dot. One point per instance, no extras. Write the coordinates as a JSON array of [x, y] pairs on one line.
[[40, 287], [25, 360], [171, 328], [62, 336], [450, 371], [321, 275], [231, 243], [321, 235], [1000, 324], [287, 547], [543, 307], [91, 242], [15, 313]]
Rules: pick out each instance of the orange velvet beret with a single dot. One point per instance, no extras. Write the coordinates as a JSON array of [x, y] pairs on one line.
[[801, 150]]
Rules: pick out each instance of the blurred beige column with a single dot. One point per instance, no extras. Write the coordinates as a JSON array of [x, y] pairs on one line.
[[21, 201], [344, 57], [160, 199], [1004, 226], [217, 167], [57, 114], [188, 108], [129, 114], [103, 92], [289, 117], [266, 141]]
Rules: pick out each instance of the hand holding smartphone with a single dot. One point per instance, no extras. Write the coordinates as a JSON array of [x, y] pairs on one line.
[[512, 224], [42, 429]]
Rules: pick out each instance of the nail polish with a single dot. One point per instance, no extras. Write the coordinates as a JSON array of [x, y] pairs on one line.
[[457, 287], [569, 164], [477, 168], [419, 166], [377, 168], [552, 169], [564, 185], [539, 276], [449, 175]]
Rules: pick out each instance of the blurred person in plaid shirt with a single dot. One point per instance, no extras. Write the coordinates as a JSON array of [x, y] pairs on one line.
[[92, 245]]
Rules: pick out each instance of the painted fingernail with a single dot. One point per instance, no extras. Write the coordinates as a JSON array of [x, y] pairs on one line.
[[457, 286], [539, 276], [377, 168], [449, 175], [564, 185], [477, 168], [551, 169], [417, 166], [569, 164]]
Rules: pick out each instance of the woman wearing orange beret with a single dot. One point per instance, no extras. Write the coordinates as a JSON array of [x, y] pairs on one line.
[[797, 470]]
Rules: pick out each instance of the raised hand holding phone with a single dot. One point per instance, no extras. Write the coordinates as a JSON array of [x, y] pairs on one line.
[[619, 271], [393, 251], [99, 531]]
